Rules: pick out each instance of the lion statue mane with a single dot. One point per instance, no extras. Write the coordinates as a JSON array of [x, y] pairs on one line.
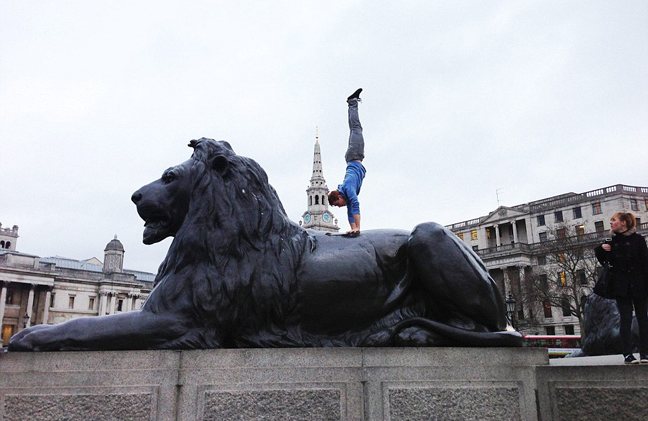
[[239, 273]]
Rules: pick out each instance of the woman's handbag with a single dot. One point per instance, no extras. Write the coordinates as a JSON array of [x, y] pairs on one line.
[[603, 287]]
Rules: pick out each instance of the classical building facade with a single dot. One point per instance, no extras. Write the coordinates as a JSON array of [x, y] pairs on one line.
[[50, 290], [514, 241], [317, 215]]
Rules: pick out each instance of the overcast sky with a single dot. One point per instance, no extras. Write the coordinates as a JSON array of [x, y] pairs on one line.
[[461, 98]]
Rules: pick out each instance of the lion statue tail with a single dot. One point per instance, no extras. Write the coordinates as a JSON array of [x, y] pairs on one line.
[[461, 337]]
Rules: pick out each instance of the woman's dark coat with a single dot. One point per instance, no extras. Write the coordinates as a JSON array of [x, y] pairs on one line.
[[628, 262]]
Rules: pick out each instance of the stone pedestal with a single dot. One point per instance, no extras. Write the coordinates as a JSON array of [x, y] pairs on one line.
[[273, 384]]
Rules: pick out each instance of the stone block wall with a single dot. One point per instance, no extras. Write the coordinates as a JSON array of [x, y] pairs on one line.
[[314, 384]]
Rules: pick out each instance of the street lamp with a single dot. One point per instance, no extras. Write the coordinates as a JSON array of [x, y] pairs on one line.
[[510, 309]]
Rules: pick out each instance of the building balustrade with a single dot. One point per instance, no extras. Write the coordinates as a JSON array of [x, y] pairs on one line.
[[558, 244], [562, 200]]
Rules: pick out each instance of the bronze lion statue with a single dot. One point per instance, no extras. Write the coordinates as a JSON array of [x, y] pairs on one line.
[[240, 274]]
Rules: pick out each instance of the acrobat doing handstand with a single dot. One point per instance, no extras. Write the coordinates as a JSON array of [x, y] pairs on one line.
[[347, 192]]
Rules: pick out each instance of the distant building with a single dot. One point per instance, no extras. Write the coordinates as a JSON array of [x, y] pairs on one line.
[[512, 242], [317, 215], [51, 290]]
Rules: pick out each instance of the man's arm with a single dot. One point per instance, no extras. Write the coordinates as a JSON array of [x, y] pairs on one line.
[[355, 225]]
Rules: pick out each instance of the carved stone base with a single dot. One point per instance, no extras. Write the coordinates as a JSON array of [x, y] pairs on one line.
[[313, 384]]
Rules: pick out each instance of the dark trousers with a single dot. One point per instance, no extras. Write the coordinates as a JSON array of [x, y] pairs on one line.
[[625, 306]]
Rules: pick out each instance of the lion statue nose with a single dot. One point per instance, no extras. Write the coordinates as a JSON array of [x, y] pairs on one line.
[[136, 197]]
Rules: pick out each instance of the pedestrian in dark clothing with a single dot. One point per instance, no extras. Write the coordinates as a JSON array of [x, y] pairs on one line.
[[627, 256]]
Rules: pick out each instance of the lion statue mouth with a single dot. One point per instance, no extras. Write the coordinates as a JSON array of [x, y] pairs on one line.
[[163, 203], [157, 224]]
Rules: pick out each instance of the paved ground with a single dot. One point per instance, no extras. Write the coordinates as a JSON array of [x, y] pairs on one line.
[[600, 360]]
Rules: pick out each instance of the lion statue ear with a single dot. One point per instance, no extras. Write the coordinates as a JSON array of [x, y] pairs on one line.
[[220, 163]]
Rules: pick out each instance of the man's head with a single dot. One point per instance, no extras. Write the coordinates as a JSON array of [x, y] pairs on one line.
[[336, 199]]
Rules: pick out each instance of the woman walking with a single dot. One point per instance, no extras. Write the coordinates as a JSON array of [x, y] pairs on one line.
[[627, 256]]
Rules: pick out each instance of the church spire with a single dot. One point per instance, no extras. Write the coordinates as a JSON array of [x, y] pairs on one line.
[[318, 175], [317, 215]]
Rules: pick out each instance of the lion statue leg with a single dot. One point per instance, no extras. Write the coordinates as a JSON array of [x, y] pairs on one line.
[[132, 330], [460, 293]]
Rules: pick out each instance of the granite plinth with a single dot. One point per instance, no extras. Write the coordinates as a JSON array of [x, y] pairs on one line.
[[314, 384]]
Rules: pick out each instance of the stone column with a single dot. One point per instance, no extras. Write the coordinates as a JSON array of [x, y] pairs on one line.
[[129, 301], [48, 297], [507, 282], [30, 304], [3, 298], [523, 289], [102, 303], [111, 303], [497, 236], [515, 236]]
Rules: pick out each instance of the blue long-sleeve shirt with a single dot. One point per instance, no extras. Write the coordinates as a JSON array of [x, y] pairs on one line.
[[350, 187]]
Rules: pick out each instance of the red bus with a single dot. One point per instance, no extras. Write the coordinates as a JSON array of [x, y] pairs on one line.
[[557, 346]]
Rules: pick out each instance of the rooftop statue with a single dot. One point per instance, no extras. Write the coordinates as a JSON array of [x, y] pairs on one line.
[[240, 274]]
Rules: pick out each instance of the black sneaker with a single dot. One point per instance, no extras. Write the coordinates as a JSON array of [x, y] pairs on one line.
[[355, 95], [630, 359], [643, 358]]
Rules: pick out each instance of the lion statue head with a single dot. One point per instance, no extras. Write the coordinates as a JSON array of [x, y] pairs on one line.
[[228, 223]]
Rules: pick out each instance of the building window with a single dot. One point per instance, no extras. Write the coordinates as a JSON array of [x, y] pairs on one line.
[[598, 226], [565, 307], [10, 298], [550, 330], [473, 234], [634, 205], [489, 233], [120, 305], [638, 222], [91, 302], [580, 275], [561, 233], [546, 305], [543, 237], [544, 283], [542, 260], [317, 200], [580, 229], [569, 329], [475, 248], [541, 220], [51, 303], [596, 208], [560, 257], [460, 235], [563, 279], [71, 302], [578, 213], [646, 203], [559, 216]]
